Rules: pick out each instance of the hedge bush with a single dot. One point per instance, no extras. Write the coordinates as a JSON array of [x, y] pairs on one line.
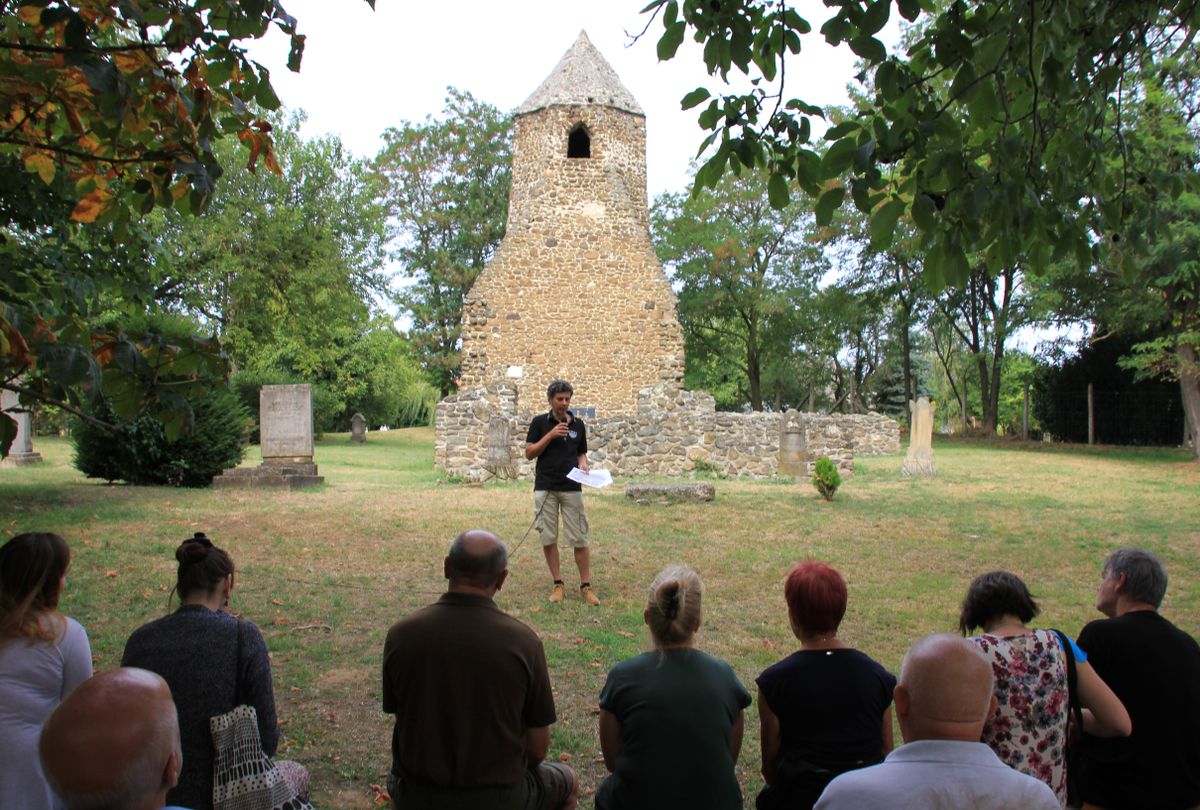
[[826, 477], [138, 452]]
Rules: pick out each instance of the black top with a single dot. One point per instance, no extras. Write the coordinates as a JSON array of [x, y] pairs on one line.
[[1154, 668], [560, 455], [830, 705], [196, 651]]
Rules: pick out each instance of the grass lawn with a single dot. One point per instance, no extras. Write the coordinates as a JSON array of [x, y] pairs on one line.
[[324, 572]]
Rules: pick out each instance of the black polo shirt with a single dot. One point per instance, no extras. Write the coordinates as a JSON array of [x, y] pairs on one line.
[[560, 455]]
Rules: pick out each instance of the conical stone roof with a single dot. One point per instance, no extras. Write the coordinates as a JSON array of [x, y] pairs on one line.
[[582, 77]]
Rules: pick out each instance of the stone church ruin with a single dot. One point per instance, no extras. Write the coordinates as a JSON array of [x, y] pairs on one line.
[[575, 291]]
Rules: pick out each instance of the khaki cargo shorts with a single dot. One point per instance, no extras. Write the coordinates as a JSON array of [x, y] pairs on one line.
[[548, 505]]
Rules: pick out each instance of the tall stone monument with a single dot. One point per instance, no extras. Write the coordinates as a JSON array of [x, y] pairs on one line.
[[575, 289], [21, 453], [919, 458], [285, 428]]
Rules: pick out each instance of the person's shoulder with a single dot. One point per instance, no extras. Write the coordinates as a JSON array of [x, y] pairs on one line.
[[635, 665]]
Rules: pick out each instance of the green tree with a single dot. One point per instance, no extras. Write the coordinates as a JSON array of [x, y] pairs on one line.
[[1017, 158], [743, 269], [287, 271], [111, 109], [445, 183]]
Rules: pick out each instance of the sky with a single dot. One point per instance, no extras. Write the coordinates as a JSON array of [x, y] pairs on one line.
[[364, 71]]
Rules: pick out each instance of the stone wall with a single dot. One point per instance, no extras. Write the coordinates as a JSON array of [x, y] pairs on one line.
[[481, 434]]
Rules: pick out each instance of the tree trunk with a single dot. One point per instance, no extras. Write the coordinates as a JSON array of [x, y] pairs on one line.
[[986, 393], [754, 374], [1189, 391]]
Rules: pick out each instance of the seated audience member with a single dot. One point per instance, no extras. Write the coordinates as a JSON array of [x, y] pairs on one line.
[[471, 694], [43, 656], [1154, 668], [671, 720], [113, 744], [213, 662], [1030, 726], [825, 709], [943, 697]]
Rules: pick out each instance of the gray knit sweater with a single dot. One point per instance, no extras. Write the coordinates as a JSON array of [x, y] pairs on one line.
[[197, 652]]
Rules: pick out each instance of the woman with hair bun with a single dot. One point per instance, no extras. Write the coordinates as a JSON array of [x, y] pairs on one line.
[[826, 708], [213, 662], [44, 655], [671, 720]]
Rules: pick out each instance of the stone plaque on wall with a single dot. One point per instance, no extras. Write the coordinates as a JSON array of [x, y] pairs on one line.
[[285, 422]]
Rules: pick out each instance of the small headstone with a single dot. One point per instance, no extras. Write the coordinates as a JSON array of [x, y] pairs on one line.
[[499, 459], [286, 440], [358, 428], [21, 453], [919, 458], [793, 446]]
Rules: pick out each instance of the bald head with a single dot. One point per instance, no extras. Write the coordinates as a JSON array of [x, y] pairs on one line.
[[113, 743], [477, 561], [944, 690]]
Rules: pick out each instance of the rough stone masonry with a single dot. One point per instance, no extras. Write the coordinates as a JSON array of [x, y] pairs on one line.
[[575, 291]]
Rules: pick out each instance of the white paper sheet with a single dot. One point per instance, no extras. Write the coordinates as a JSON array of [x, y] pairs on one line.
[[595, 478]]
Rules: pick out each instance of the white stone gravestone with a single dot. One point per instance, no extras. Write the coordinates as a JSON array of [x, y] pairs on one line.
[[285, 429], [919, 458], [21, 453]]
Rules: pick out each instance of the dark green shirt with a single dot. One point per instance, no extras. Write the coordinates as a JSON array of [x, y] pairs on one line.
[[676, 709]]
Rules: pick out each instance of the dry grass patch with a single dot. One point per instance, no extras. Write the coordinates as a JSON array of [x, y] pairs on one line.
[[326, 571]]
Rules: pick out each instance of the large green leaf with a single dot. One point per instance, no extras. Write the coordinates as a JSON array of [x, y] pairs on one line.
[[829, 202], [883, 223]]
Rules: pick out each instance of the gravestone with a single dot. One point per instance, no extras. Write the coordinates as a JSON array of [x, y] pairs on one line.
[[793, 446], [358, 428], [286, 440], [21, 453], [919, 458]]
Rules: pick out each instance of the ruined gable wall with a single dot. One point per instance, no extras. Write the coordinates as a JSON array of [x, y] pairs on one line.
[[575, 289]]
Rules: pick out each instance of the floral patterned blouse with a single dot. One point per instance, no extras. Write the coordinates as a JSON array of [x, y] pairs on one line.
[[1029, 729]]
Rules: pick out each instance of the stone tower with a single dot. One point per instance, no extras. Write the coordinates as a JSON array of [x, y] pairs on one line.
[[575, 289]]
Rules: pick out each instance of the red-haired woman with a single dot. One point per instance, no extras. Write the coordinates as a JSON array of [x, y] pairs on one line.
[[43, 656], [826, 708]]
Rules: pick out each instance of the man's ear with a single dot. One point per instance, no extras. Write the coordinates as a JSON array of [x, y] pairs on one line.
[[1122, 581], [900, 698], [503, 576], [171, 772], [446, 568], [993, 704]]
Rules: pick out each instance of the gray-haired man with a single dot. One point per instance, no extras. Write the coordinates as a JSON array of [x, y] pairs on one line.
[[1154, 668]]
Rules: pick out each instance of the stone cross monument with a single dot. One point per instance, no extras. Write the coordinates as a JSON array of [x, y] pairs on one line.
[[575, 289]]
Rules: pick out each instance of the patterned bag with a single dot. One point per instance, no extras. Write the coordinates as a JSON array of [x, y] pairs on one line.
[[245, 778]]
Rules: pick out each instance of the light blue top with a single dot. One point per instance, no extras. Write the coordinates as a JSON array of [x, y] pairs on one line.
[[938, 774]]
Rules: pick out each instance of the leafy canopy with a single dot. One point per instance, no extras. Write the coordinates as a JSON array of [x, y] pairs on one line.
[[1000, 131], [109, 108]]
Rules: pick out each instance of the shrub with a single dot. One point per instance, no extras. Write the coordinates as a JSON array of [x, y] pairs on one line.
[[826, 478], [138, 452]]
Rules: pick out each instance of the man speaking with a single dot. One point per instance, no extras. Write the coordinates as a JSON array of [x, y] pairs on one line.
[[558, 440]]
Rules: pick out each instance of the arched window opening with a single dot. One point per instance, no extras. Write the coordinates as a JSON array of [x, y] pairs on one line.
[[579, 143]]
